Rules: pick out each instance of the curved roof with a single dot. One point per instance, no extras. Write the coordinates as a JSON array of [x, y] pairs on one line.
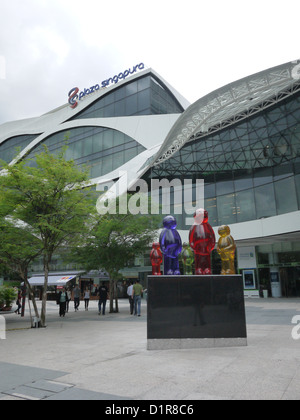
[[51, 121], [229, 104], [147, 130]]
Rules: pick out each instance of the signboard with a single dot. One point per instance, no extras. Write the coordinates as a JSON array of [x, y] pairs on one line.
[[65, 279], [75, 95], [274, 277], [246, 257], [249, 279]]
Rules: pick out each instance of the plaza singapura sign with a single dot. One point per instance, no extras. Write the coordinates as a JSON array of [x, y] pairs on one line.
[[75, 96]]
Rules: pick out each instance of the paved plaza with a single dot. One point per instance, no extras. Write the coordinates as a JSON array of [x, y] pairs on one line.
[[86, 356]]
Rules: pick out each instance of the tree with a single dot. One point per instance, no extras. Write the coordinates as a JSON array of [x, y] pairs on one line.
[[18, 249], [114, 242], [52, 198]]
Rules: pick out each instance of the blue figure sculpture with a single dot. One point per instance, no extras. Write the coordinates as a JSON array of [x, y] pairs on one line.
[[170, 245]]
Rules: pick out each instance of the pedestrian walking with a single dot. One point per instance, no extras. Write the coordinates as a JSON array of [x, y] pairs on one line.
[[18, 302], [129, 293], [69, 299], [62, 302], [103, 295], [87, 295], [137, 291], [76, 298]]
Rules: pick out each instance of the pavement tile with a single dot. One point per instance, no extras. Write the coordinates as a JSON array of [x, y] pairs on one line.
[[84, 356]]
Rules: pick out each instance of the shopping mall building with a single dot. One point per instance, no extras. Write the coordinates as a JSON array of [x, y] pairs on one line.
[[243, 140]]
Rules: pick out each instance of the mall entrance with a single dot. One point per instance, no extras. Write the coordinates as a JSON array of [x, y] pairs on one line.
[[285, 258]]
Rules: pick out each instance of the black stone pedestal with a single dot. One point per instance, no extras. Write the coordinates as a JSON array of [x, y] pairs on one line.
[[196, 311]]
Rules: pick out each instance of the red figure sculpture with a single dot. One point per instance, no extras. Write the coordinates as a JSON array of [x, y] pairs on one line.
[[156, 258], [202, 241]]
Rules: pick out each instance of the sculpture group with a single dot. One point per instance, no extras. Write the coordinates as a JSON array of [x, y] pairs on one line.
[[202, 241]]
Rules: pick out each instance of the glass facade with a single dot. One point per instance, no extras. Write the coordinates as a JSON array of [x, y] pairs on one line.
[[14, 145], [103, 149], [251, 169], [100, 149], [145, 96], [250, 165]]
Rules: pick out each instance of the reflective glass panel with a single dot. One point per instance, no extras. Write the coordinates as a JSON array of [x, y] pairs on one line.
[[265, 201], [226, 209], [286, 198], [245, 205]]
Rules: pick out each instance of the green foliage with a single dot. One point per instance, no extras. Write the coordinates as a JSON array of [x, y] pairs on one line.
[[45, 196], [41, 209], [7, 296], [115, 241], [18, 246]]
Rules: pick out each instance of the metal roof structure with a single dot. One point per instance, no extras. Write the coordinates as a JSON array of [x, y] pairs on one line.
[[229, 104]]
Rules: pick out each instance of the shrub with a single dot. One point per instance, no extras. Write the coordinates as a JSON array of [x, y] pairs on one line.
[[7, 296]]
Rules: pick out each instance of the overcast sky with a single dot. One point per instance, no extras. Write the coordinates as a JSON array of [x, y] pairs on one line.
[[48, 47]]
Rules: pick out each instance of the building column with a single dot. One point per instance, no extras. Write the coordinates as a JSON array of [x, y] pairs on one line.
[[275, 276]]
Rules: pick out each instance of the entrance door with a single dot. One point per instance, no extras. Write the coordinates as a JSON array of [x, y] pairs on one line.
[[290, 281]]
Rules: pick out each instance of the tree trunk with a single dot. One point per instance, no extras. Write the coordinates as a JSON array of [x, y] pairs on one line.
[[24, 276], [116, 295], [44, 295], [111, 294], [31, 296]]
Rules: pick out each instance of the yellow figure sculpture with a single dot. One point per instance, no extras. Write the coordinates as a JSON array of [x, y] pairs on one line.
[[226, 249]]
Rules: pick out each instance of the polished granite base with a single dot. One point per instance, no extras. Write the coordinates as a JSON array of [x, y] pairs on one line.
[[195, 311]]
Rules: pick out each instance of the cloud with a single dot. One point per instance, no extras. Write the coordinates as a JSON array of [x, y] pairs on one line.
[[50, 46], [45, 57]]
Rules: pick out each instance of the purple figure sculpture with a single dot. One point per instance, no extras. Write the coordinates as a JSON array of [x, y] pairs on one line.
[[202, 241], [170, 245]]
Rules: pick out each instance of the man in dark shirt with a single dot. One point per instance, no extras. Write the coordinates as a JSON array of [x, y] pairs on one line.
[[76, 298], [103, 293]]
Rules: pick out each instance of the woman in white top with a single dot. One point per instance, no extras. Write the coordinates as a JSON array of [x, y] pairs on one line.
[[87, 295]]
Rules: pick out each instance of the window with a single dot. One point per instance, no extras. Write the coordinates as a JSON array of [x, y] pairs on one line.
[[97, 142], [107, 164], [108, 139], [245, 205], [226, 209], [119, 138], [243, 183], [144, 100], [265, 201], [224, 187], [286, 198], [8, 149], [144, 96], [131, 105], [130, 154], [87, 146], [262, 177], [120, 108]]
